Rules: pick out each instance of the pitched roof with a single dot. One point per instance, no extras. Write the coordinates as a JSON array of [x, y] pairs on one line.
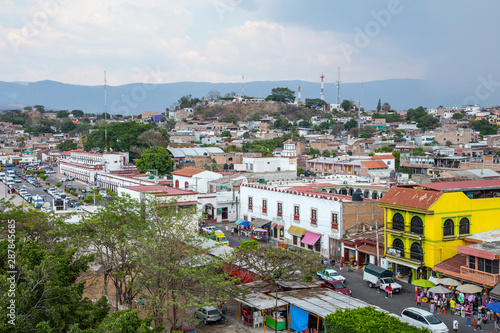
[[187, 172], [409, 197], [382, 157], [465, 185], [375, 164]]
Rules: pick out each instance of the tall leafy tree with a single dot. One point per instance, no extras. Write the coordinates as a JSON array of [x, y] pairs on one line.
[[67, 126], [175, 273], [315, 103], [347, 105], [78, 113], [67, 145], [155, 158], [281, 95]]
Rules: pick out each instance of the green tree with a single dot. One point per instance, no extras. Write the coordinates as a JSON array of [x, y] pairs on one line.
[[47, 293], [379, 106], [366, 320], [121, 137], [225, 134], [305, 124], [281, 123], [187, 101], [155, 158], [326, 153], [246, 135], [78, 113], [386, 106], [67, 145], [281, 95], [315, 103], [350, 124], [448, 143], [300, 171], [62, 114], [428, 122], [457, 115], [256, 117], [174, 273], [275, 263], [347, 105], [67, 127]]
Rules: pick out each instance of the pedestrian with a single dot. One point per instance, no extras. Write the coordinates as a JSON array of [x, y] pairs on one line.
[[409, 277], [432, 306], [390, 290], [333, 262], [419, 301], [468, 315], [452, 305], [478, 324], [341, 266], [455, 326], [386, 292], [438, 305], [378, 285]]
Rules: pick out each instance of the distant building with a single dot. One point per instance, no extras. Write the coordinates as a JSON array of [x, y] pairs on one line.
[[148, 114]]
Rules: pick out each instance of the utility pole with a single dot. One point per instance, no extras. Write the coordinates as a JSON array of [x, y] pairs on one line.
[[376, 236]]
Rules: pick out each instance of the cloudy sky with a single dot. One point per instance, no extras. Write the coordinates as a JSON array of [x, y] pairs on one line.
[[160, 41]]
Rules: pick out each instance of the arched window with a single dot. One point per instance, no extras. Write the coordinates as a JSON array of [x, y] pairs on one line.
[[186, 185], [398, 222], [374, 195], [177, 183], [448, 228], [417, 226], [464, 227], [416, 251], [351, 191], [399, 246], [366, 194]]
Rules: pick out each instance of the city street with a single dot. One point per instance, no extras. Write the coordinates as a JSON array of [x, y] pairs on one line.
[[361, 291]]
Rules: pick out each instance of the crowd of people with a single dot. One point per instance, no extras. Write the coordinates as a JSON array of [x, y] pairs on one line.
[[472, 307]]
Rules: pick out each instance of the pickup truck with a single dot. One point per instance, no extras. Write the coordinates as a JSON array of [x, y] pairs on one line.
[[373, 272], [330, 274]]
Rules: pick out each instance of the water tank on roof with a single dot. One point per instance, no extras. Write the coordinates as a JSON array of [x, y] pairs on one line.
[[376, 180], [357, 195]]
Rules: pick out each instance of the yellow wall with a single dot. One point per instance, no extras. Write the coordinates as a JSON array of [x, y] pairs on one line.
[[483, 215]]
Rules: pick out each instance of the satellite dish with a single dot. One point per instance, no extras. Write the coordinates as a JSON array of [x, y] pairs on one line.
[[95, 149]]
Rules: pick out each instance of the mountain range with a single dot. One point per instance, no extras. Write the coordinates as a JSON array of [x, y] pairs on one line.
[[134, 98]]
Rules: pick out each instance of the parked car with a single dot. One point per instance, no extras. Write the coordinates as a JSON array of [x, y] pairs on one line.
[[337, 286], [17, 180], [330, 274], [423, 319], [208, 314], [373, 272]]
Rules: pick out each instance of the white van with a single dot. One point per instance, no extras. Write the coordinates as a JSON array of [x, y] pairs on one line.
[[423, 319], [2, 175], [9, 181]]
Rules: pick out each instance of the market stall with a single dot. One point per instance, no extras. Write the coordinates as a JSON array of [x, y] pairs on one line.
[[255, 309], [260, 235]]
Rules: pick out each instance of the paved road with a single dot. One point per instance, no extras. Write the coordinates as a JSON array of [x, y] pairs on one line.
[[361, 291], [399, 301]]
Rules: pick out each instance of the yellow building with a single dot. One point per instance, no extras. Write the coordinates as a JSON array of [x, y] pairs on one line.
[[425, 223]]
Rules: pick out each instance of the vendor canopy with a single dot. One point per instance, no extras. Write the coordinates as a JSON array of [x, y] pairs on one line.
[[260, 222], [310, 238]]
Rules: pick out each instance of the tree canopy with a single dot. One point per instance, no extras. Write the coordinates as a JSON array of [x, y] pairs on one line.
[[366, 320], [67, 145], [315, 103], [121, 137], [78, 113], [281, 95], [155, 158]]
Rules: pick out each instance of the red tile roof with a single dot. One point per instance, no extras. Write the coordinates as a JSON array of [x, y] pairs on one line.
[[375, 164], [187, 172], [451, 266], [474, 184], [159, 189], [409, 197], [382, 157]]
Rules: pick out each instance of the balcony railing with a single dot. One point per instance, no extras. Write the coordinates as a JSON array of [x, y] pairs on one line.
[[478, 276], [296, 217]]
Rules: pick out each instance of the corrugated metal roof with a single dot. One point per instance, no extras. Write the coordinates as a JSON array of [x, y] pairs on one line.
[[176, 152], [183, 152], [322, 301], [410, 197]]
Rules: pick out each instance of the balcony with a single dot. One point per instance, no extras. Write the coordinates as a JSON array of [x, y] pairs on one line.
[[250, 207], [296, 217], [280, 214], [264, 210], [478, 276], [314, 221]]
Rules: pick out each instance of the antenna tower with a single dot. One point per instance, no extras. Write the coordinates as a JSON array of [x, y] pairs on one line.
[[105, 113], [338, 87], [298, 96], [322, 87], [242, 86]]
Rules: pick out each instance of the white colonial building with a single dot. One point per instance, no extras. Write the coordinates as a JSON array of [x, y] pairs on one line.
[[303, 216]]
